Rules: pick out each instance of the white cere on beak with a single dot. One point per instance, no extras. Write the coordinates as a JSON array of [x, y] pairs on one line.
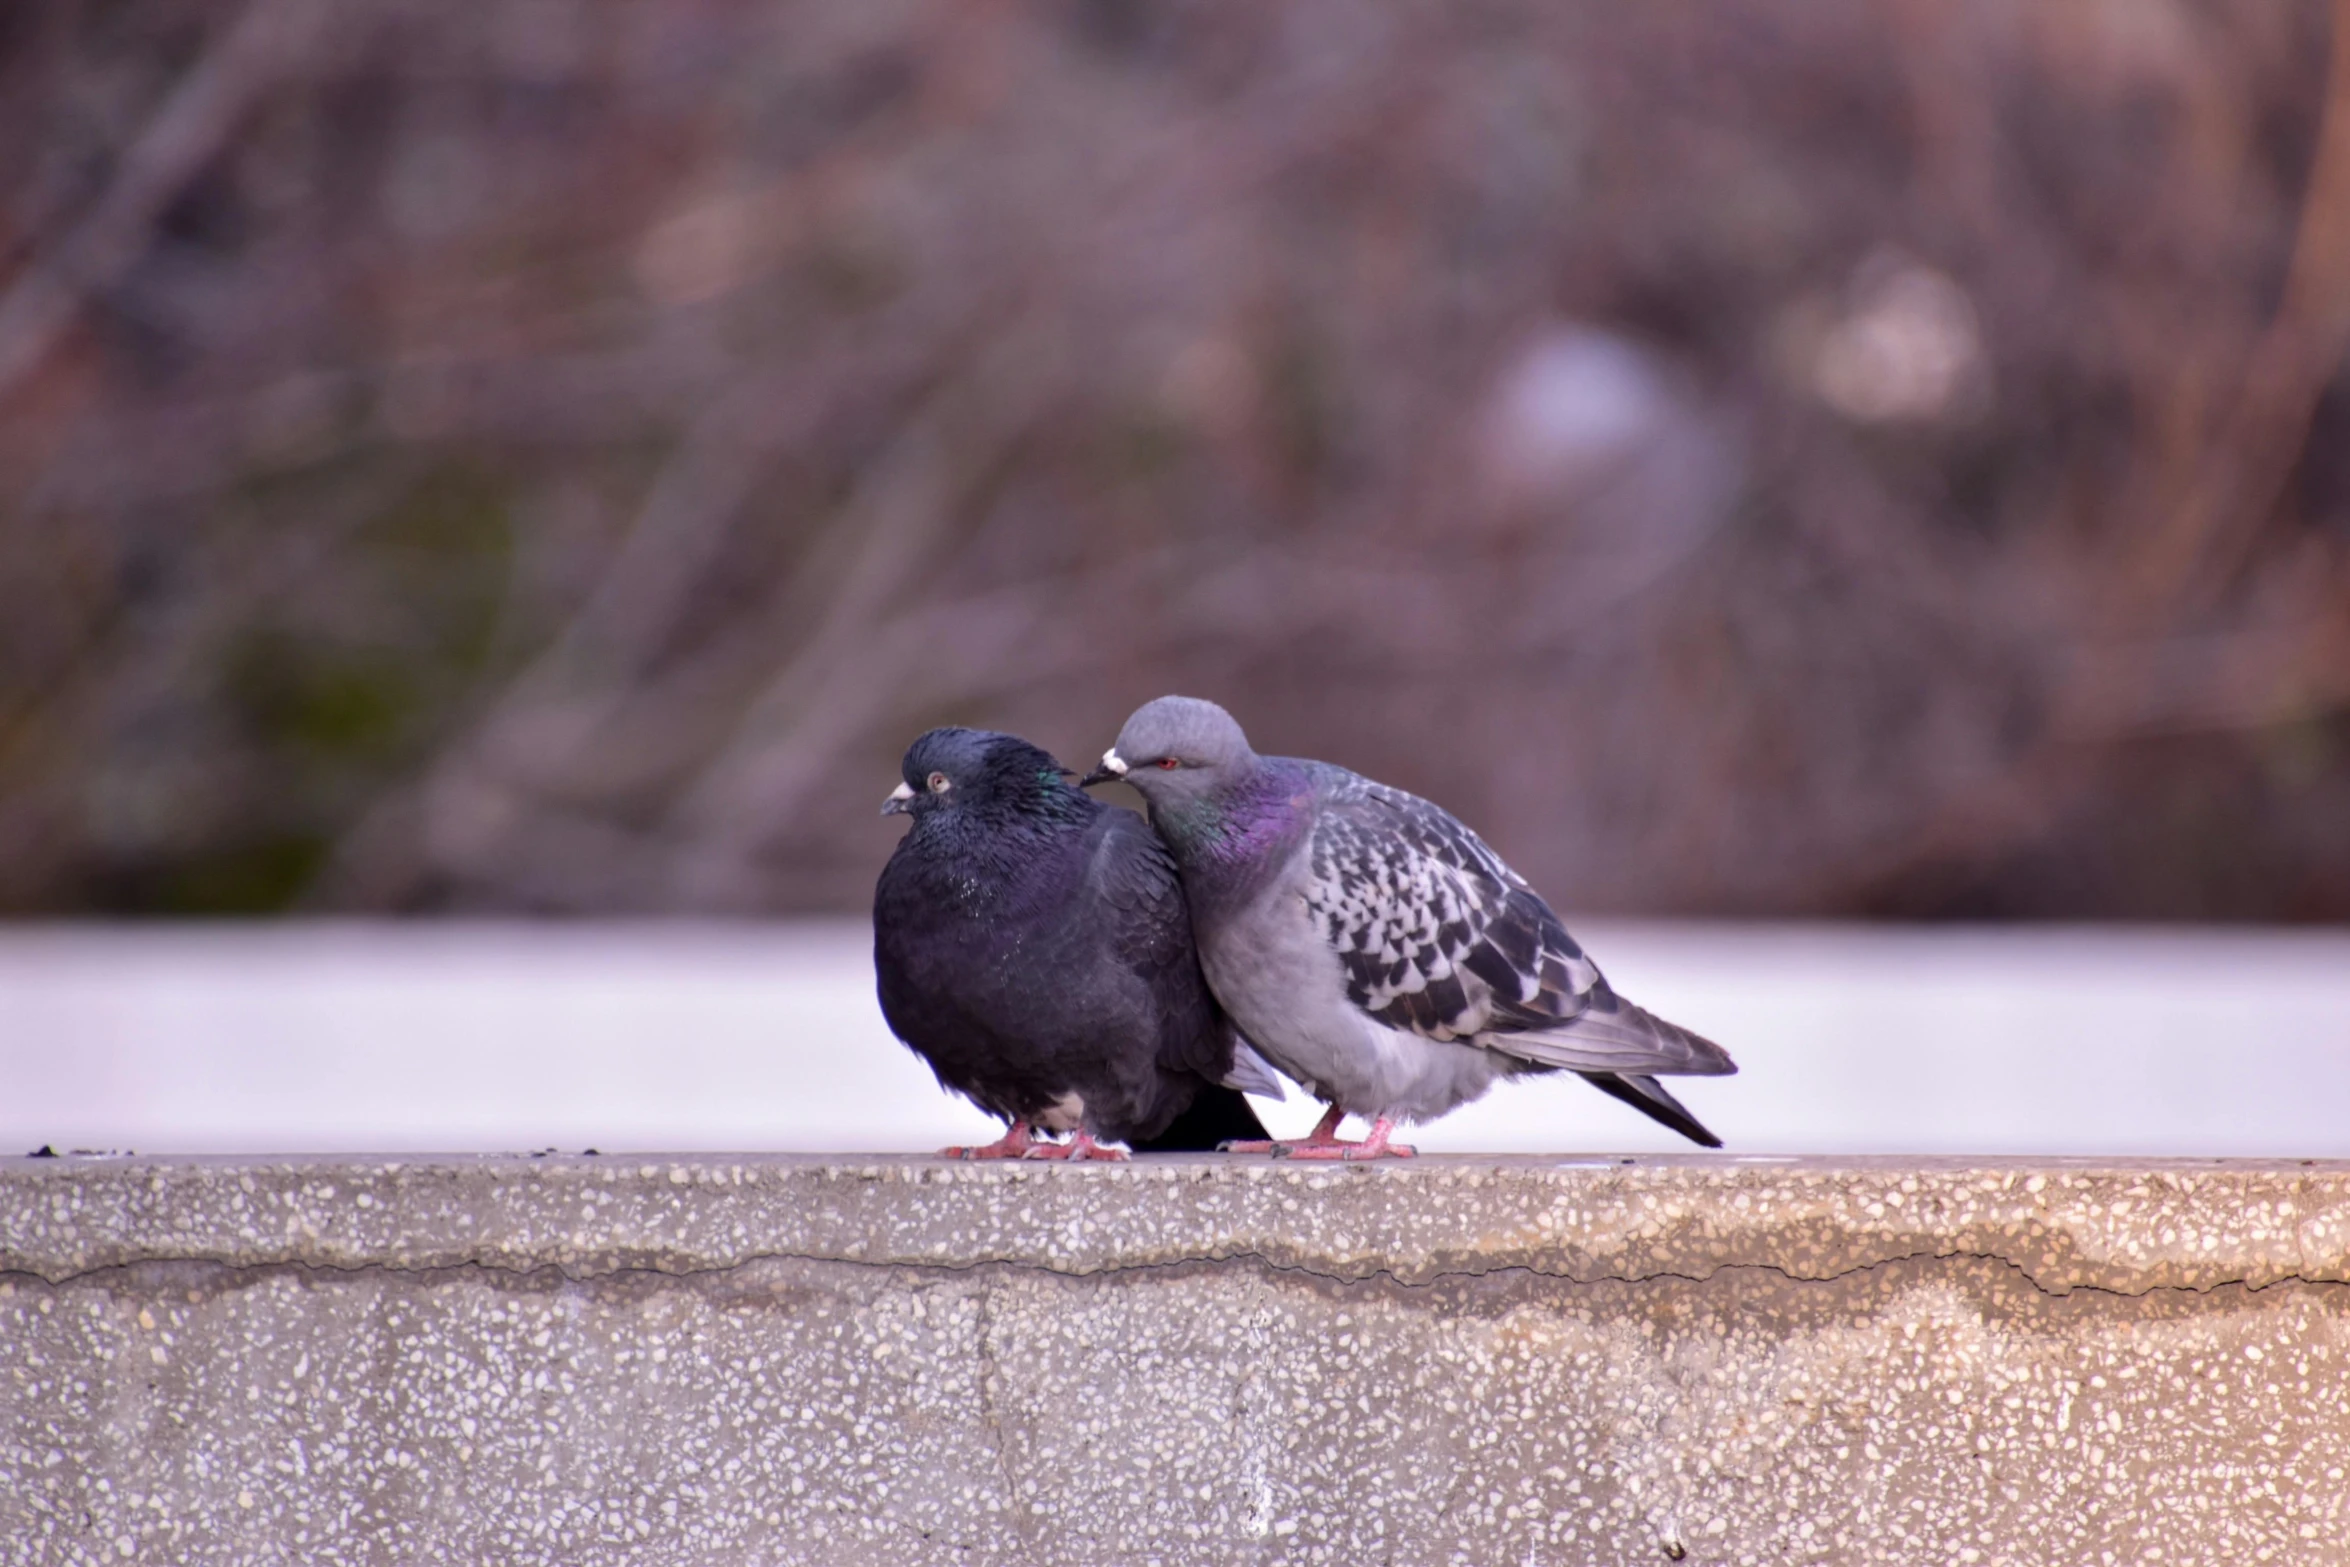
[[1112, 761], [902, 793]]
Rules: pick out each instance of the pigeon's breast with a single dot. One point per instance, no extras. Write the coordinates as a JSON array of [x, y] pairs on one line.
[[1271, 965]]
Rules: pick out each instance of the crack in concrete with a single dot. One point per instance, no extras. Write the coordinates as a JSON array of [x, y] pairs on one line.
[[1247, 1258], [991, 1413]]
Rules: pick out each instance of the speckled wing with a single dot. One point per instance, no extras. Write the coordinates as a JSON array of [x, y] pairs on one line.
[[1437, 936]]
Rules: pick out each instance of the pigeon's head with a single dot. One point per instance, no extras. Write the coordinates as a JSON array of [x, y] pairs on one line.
[[1176, 748], [953, 769]]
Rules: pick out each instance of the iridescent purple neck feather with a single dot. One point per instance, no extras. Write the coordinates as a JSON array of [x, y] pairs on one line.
[[1229, 841]]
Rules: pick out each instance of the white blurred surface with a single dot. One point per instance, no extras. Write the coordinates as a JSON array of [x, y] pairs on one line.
[[449, 1037]]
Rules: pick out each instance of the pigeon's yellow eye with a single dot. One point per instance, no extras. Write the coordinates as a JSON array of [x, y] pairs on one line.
[[939, 783], [1168, 763]]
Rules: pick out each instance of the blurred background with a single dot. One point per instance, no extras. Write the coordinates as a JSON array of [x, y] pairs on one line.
[[1767, 461]]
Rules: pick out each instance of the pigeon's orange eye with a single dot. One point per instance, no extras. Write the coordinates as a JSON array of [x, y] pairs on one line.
[[939, 783], [1168, 763]]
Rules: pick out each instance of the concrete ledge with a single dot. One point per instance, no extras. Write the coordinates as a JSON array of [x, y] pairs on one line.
[[782, 1360], [2119, 1226]]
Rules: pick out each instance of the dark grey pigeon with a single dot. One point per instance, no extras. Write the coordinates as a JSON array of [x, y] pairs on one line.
[[1032, 945], [1373, 947]]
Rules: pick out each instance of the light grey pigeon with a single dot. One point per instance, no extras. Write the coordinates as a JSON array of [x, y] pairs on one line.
[[1372, 947]]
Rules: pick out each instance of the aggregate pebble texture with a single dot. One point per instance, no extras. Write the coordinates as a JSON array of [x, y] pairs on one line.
[[781, 1360]]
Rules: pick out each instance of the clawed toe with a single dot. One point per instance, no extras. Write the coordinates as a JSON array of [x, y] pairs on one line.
[[1081, 1146], [1014, 1144], [1348, 1153], [1323, 1146]]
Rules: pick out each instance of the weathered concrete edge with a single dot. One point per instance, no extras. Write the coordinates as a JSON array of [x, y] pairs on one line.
[[2124, 1227]]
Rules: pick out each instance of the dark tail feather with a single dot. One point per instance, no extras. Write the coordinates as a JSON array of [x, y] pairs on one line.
[[1216, 1115], [1648, 1096]]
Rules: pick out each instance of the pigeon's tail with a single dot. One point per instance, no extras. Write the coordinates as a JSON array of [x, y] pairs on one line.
[[1648, 1096], [1216, 1115], [1610, 1034]]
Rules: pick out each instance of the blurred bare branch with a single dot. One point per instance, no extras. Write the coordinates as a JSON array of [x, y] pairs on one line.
[[1857, 456], [269, 41], [2264, 427]]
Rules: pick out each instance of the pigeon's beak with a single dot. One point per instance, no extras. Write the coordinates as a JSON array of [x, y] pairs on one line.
[[1112, 767], [900, 801]]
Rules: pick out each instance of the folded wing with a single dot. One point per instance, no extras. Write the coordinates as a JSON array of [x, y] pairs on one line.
[[1437, 936]]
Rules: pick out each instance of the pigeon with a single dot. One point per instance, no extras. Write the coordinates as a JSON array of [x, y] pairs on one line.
[[1032, 945], [1372, 947]]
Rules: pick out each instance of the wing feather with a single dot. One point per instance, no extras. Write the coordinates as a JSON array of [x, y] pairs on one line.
[[1437, 936]]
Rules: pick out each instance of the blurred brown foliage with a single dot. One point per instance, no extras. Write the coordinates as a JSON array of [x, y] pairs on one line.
[[1765, 456]]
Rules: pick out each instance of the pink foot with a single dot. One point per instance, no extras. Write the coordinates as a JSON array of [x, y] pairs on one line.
[[1323, 1142], [1014, 1144], [1082, 1146], [1375, 1146], [1325, 1131]]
